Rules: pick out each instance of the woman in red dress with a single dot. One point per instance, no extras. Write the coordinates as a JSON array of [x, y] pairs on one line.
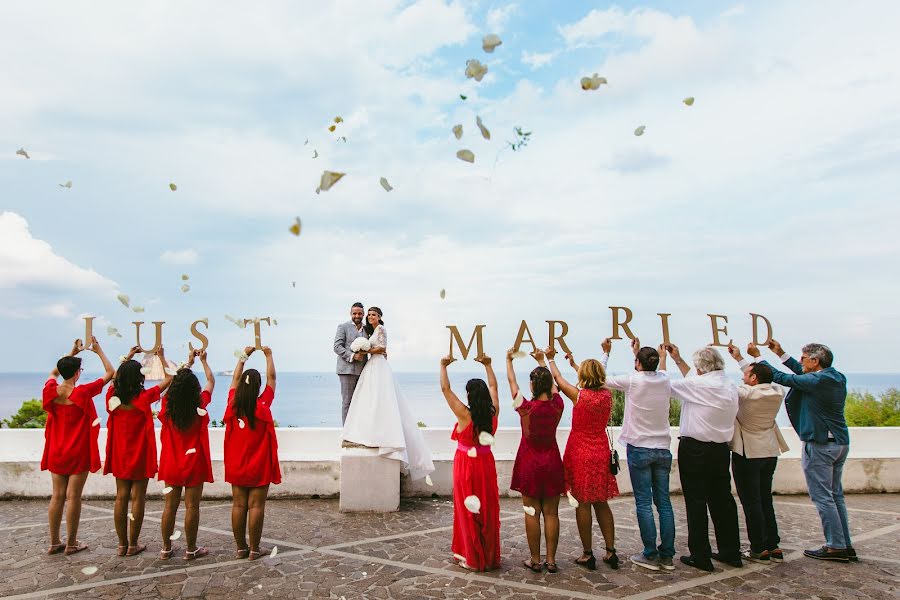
[[70, 441], [587, 458], [538, 470], [184, 458], [476, 536], [251, 451], [131, 446]]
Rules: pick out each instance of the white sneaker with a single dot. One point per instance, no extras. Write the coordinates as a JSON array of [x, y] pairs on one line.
[[648, 563]]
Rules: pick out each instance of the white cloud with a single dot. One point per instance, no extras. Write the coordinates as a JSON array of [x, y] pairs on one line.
[[498, 17], [536, 60], [187, 256]]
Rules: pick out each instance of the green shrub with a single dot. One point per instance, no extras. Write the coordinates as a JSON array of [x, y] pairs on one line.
[[863, 409], [618, 410], [31, 415]]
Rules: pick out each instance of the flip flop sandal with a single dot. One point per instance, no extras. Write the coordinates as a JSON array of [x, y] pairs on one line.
[[242, 553], [535, 568], [135, 550], [56, 548], [255, 554], [121, 550], [198, 553], [166, 554], [78, 547]]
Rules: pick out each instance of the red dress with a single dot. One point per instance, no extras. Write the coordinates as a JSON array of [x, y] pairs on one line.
[[70, 435], [130, 439], [251, 455], [587, 452], [475, 536], [176, 465], [538, 470]]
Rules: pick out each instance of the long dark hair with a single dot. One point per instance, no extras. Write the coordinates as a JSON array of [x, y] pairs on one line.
[[368, 326], [481, 406], [183, 399], [246, 394], [129, 381], [541, 382]]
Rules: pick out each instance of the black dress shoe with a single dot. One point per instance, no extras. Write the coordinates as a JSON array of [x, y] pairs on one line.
[[734, 562], [698, 564], [851, 554], [826, 553]]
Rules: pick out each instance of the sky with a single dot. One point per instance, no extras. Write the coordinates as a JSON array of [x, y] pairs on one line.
[[774, 193]]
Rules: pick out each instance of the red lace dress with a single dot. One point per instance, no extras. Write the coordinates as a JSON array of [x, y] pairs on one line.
[[538, 470], [587, 452], [475, 536]]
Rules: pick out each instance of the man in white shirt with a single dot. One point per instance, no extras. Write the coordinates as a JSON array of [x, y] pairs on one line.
[[709, 404], [645, 432]]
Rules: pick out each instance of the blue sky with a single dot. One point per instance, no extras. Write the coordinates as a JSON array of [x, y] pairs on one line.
[[774, 193]]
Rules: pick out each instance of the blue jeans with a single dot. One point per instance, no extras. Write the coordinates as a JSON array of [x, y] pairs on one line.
[[649, 471], [823, 467]]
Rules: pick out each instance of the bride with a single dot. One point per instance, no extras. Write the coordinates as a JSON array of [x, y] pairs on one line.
[[379, 416]]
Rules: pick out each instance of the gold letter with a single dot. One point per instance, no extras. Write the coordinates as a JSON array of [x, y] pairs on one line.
[[554, 337], [623, 324], [664, 317], [199, 335], [257, 340], [754, 317], [716, 329], [464, 349], [523, 329], [157, 344], [88, 331]]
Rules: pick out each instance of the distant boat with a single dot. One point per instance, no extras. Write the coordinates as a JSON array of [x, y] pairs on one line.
[[229, 373]]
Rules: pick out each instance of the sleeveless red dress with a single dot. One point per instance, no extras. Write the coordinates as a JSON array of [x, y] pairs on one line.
[[588, 477], [176, 465], [70, 436], [477, 537], [130, 438], [538, 470], [251, 455]]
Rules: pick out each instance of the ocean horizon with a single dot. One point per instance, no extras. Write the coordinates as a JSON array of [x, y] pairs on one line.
[[313, 399]]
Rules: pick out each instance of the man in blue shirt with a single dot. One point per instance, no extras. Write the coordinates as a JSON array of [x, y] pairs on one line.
[[815, 405]]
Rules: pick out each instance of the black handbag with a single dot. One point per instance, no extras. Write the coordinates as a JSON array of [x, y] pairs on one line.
[[613, 454]]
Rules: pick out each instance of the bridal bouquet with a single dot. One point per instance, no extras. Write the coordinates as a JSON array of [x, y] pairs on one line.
[[360, 344]]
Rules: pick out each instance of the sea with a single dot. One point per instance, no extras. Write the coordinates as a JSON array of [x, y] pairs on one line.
[[314, 399]]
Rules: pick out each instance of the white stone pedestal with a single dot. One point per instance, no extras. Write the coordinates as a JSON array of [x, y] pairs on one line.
[[369, 483]]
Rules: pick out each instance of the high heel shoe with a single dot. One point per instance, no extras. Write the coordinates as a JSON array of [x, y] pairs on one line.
[[612, 561], [590, 564]]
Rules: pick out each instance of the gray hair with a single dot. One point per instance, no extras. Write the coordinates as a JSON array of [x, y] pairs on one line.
[[707, 360], [821, 352]]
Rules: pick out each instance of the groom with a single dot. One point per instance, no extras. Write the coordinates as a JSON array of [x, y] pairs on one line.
[[349, 364]]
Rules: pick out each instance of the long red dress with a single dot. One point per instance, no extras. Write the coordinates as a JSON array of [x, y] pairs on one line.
[[178, 466], [475, 536], [538, 470], [70, 435], [130, 439], [251, 455], [588, 477]]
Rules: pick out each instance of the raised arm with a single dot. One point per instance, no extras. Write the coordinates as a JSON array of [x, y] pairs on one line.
[[606, 348], [662, 357], [210, 378], [270, 367], [109, 371], [239, 367], [491, 381], [538, 356], [511, 374], [167, 379], [459, 409], [788, 361], [77, 347], [567, 388], [675, 353]]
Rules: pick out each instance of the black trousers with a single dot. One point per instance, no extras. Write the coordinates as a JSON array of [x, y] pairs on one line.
[[753, 479], [706, 484]]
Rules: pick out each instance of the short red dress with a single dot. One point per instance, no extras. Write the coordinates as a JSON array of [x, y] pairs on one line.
[[130, 439], [251, 455], [177, 465], [588, 477], [475, 536], [538, 470], [70, 435]]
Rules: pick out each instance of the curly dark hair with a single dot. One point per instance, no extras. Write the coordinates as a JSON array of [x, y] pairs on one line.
[[183, 399], [129, 381], [245, 396], [541, 382], [481, 406], [368, 327]]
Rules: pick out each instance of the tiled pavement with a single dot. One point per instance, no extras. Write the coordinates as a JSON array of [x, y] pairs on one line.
[[325, 554]]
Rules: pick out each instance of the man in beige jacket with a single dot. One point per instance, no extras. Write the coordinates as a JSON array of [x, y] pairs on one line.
[[755, 447]]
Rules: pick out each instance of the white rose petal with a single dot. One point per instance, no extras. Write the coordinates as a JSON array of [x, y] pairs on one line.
[[529, 510], [247, 380], [518, 400], [185, 276], [173, 187], [476, 70], [485, 439], [89, 570], [428, 481], [190, 451], [67, 184], [96, 422], [458, 131], [145, 371], [22, 152], [489, 42], [123, 358], [484, 130], [640, 130], [166, 490], [315, 153], [329, 178], [130, 517], [124, 299], [472, 453], [384, 183], [114, 403], [689, 100], [296, 227], [185, 288], [241, 423], [572, 501], [443, 294], [519, 354], [274, 552], [472, 504], [138, 309], [171, 372], [466, 155], [459, 557], [201, 411], [175, 535], [592, 83]]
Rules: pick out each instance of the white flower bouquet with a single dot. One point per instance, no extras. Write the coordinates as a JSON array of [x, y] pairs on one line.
[[361, 344]]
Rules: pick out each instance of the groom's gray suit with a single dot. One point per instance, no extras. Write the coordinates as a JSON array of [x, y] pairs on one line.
[[348, 370]]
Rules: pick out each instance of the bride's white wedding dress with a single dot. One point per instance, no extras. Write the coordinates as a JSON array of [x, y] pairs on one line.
[[379, 415]]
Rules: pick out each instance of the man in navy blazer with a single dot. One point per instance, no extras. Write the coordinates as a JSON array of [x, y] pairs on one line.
[[815, 405]]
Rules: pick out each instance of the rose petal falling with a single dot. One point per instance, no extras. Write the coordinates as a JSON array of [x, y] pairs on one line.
[[124, 299], [112, 331], [689, 100], [171, 372], [463, 97], [384, 183], [472, 453], [458, 131], [145, 371], [175, 535], [592, 83], [247, 380], [241, 423], [519, 354], [130, 517], [185, 276], [640, 130], [332, 128], [275, 322], [529, 510], [274, 552], [190, 451], [472, 504], [489, 42], [96, 422], [518, 400], [123, 358], [22, 152], [173, 187], [428, 481], [484, 130], [138, 309], [201, 411], [466, 155], [572, 501], [185, 288], [296, 227], [475, 70], [114, 403], [485, 439], [329, 178], [166, 490], [67, 185], [89, 570], [315, 153], [443, 294], [338, 120]]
